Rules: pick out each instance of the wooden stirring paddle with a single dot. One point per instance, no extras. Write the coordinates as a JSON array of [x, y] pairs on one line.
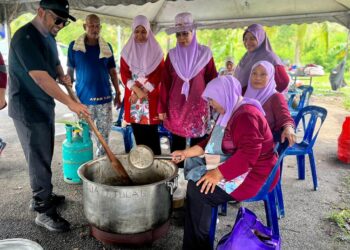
[[116, 164]]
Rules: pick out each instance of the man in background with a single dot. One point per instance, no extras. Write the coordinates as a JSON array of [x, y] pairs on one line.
[[92, 59]]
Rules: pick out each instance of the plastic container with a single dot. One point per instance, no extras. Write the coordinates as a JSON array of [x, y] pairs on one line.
[[344, 142], [19, 244]]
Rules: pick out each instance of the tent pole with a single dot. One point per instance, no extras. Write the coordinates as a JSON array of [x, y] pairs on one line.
[[119, 42], [7, 27]]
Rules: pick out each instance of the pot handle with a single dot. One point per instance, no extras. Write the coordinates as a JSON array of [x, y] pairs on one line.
[[172, 185]]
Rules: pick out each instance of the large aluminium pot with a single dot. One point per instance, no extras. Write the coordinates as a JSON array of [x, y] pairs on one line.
[[128, 209]]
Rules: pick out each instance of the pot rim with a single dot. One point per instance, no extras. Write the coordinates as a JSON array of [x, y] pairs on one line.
[[89, 163]]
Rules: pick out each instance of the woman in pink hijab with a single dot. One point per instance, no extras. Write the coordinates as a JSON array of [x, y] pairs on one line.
[[141, 65], [188, 68], [262, 87], [259, 48]]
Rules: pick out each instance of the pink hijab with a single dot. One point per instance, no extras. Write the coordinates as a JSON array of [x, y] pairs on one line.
[[263, 52], [226, 91], [142, 58], [262, 95], [189, 61]]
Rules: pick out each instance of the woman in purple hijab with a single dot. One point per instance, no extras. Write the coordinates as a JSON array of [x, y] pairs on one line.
[[262, 87], [188, 68], [259, 48]]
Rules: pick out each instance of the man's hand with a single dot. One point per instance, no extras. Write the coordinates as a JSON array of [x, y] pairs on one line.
[[117, 102], [80, 109], [210, 180], [66, 80]]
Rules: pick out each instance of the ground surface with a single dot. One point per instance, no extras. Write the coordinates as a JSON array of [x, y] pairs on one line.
[[305, 226]]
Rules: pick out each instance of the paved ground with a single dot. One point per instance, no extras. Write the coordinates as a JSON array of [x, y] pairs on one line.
[[304, 227]]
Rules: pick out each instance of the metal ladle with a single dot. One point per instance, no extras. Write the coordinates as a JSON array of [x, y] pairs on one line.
[[142, 157]]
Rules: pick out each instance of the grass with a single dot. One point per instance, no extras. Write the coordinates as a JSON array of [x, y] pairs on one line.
[[322, 87], [342, 217]]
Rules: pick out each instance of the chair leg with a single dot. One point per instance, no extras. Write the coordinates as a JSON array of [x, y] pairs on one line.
[[223, 209], [301, 167], [127, 135], [214, 217], [313, 169], [279, 200], [271, 213]]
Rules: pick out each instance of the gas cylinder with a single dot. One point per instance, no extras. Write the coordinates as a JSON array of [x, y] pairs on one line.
[[344, 142], [76, 150]]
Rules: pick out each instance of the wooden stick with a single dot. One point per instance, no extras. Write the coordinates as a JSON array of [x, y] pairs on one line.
[[116, 164]]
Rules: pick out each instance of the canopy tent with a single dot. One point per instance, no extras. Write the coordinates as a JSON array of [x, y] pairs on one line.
[[213, 14]]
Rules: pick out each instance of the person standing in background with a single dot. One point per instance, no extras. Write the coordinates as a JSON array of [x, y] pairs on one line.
[[141, 65], [3, 83], [188, 68], [259, 48], [230, 67], [33, 69], [92, 59]]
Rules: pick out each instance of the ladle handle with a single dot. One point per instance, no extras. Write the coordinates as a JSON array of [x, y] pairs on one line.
[[163, 157], [117, 166]]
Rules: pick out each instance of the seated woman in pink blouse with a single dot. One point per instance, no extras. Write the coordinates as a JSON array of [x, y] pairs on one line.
[[238, 158], [262, 87], [259, 48]]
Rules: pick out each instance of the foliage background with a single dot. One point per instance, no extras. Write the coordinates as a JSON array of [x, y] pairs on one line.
[[320, 43]]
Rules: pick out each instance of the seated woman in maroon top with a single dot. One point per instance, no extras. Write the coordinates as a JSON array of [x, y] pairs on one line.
[[238, 157], [262, 87], [259, 48]]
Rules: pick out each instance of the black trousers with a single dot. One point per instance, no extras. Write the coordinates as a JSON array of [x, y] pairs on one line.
[[37, 140], [147, 135], [179, 143], [198, 216]]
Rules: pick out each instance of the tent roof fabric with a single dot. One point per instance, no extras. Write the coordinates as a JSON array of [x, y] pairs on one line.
[[213, 14]]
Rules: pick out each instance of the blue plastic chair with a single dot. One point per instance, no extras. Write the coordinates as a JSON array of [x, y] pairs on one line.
[[309, 116], [269, 199], [163, 132], [303, 102]]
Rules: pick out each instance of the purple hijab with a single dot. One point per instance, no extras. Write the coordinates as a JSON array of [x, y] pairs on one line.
[[262, 95], [142, 58], [226, 91], [189, 61], [263, 52]]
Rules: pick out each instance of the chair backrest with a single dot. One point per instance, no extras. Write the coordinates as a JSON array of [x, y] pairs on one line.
[[281, 148], [305, 96], [309, 116]]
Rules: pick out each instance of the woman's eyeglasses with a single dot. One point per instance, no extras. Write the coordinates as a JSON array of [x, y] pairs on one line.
[[184, 34], [59, 20]]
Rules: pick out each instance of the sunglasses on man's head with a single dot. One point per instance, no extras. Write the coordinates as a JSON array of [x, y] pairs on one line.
[[184, 34], [59, 20]]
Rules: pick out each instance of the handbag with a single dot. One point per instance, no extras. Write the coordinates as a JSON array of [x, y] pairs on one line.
[[249, 232]]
